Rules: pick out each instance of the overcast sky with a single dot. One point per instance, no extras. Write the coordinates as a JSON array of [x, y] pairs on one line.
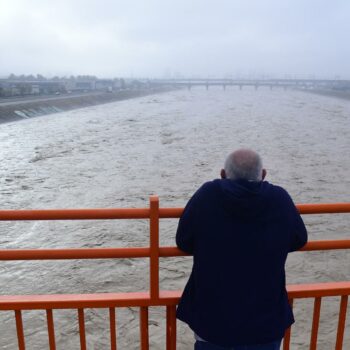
[[154, 38]]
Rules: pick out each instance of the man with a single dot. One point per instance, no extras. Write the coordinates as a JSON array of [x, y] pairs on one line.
[[240, 230]]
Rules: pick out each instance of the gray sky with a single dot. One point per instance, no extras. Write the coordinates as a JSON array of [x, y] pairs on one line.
[[154, 38]]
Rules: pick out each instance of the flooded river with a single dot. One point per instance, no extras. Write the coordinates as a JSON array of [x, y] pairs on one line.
[[116, 155]]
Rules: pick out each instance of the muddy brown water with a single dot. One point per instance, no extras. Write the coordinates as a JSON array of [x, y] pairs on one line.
[[116, 155]]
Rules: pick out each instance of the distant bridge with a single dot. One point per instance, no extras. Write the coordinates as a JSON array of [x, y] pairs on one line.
[[335, 84]]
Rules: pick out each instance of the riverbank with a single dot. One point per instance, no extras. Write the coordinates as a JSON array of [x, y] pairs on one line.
[[29, 108]]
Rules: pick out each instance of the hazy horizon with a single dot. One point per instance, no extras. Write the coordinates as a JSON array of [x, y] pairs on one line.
[[175, 39]]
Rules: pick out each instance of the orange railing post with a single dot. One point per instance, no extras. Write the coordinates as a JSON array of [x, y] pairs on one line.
[[112, 328], [315, 323], [341, 322], [20, 333], [82, 334], [154, 246], [287, 335], [51, 329], [144, 328], [171, 327]]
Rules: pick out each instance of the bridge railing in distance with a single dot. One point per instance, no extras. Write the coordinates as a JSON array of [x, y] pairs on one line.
[[154, 297]]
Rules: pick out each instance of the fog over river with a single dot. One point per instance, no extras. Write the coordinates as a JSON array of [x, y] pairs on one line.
[[117, 154]]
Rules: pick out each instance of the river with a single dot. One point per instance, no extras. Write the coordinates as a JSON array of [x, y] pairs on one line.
[[117, 154]]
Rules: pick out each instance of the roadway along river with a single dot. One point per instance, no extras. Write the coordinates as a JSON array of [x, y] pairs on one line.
[[118, 154], [45, 98]]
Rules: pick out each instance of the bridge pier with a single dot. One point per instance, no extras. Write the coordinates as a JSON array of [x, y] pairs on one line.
[[189, 87], [240, 87], [224, 87], [207, 86], [256, 86]]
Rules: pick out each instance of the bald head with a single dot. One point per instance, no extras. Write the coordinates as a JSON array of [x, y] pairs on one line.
[[243, 164]]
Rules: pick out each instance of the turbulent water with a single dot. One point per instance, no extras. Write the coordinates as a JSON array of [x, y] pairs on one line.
[[118, 154]]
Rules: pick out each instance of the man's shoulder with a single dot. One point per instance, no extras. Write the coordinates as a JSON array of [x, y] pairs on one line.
[[215, 185], [278, 193], [207, 189], [210, 186], [276, 188]]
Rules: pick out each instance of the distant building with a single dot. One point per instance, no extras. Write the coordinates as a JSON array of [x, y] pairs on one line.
[[104, 84], [117, 84], [30, 85], [10, 88], [84, 85], [35, 89]]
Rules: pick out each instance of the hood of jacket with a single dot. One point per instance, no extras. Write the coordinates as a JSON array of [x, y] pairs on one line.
[[244, 198]]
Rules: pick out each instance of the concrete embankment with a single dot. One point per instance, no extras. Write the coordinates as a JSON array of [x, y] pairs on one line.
[[29, 108]]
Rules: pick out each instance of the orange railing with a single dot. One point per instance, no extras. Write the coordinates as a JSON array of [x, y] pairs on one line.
[[154, 297]]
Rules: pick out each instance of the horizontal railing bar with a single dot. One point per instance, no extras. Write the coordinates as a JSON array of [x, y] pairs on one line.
[[323, 208], [80, 253], [139, 213], [98, 300], [107, 300], [139, 252], [74, 214], [327, 245], [313, 290], [310, 246], [170, 213], [165, 252]]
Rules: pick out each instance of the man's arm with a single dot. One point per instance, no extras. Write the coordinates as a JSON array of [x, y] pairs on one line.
[[185, 229], [299, 233]]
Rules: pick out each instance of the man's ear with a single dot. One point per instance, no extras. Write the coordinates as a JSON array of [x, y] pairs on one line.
[[263, 175], [223, 174]]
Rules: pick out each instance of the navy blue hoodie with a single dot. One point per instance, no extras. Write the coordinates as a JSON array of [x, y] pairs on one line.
[[239, 233]]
